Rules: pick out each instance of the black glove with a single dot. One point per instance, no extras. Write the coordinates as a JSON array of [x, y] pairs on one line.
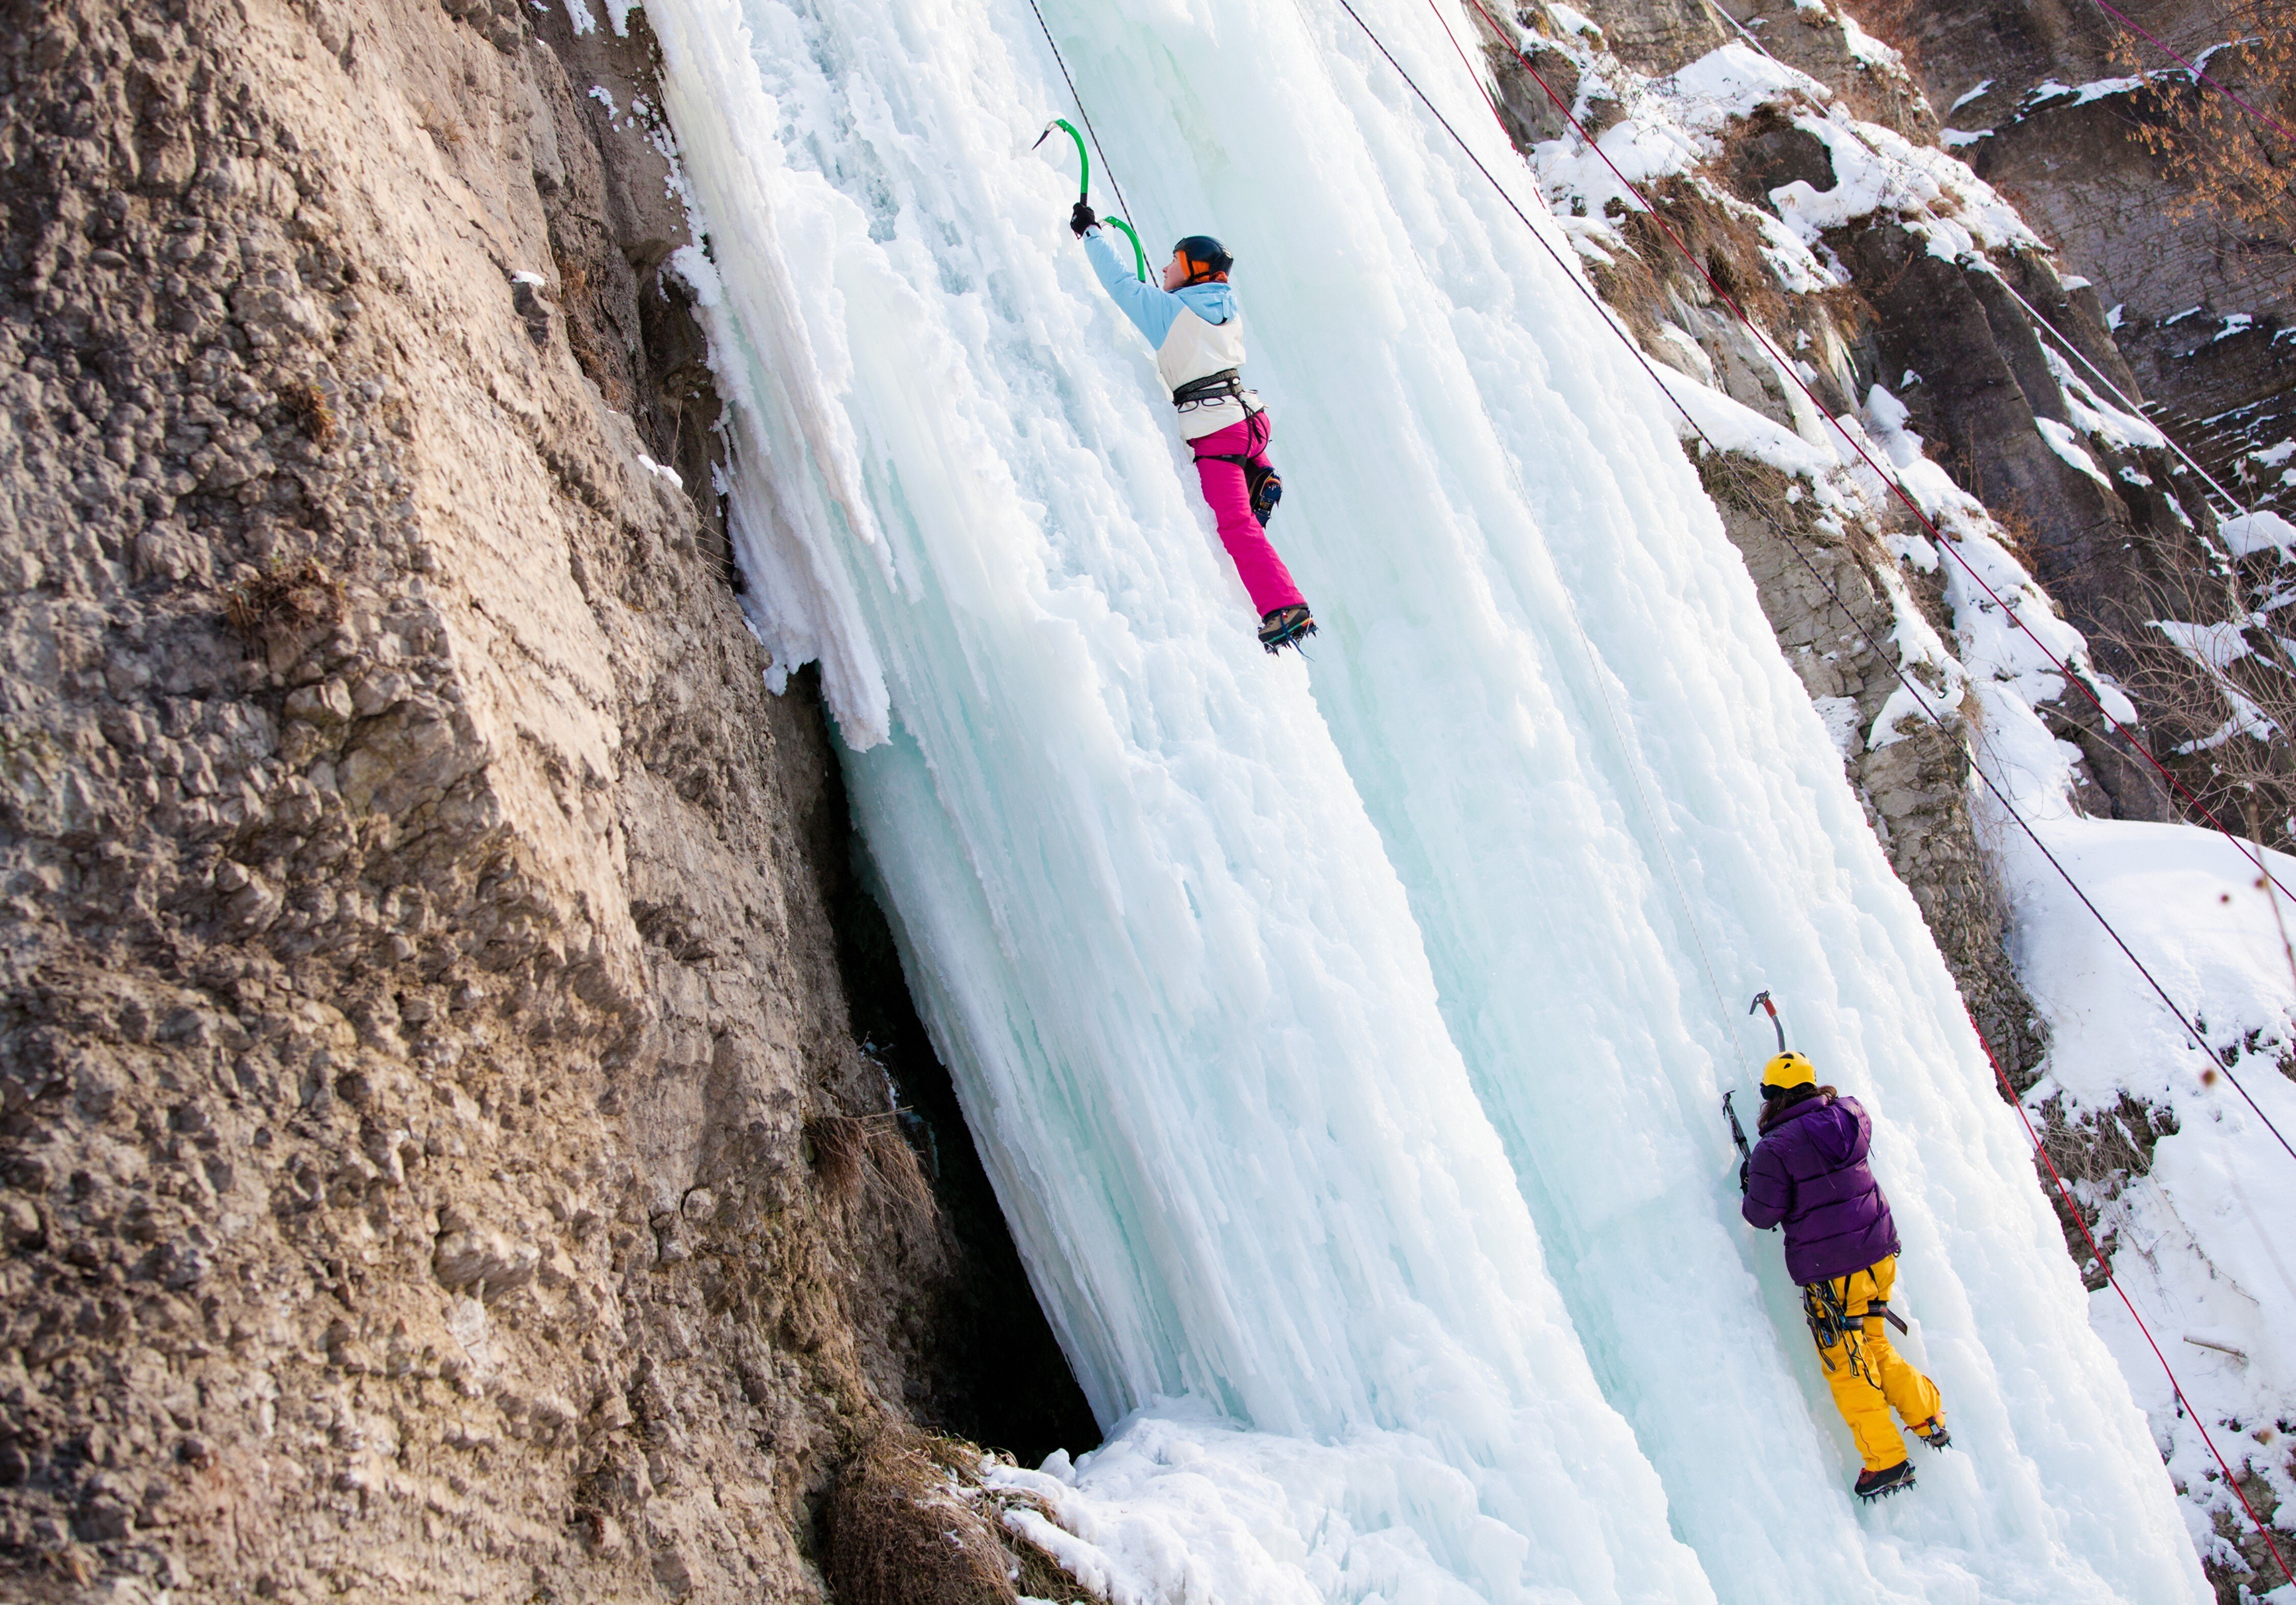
[[1745, 1172], [1082, 218]]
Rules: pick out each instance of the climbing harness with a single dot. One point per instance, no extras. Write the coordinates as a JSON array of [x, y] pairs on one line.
[[1227, 382], [1825, 1305], [1083, 180], [1261, 482], [1912, 690], [1832, 1327]]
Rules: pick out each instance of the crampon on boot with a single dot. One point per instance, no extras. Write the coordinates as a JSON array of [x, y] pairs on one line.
[[1285, 627], [1878, 1485], [1933, 1432]]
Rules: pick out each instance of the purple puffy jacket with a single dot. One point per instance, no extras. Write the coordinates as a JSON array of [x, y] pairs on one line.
[[1809, 1171]]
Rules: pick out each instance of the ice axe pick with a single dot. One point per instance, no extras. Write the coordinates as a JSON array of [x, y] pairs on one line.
[[1762, 1001]]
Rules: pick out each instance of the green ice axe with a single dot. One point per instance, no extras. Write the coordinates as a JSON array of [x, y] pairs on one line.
[[1084, 190]]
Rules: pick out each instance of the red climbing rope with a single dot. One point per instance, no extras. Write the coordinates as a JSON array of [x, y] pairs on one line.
[[1913, 689], [2073, 1205], [2169, 1002], [1886, 478]]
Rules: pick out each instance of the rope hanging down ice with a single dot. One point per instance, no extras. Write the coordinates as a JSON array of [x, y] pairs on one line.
[[2078, 682], [1914, 690], [2162, 991], [1730, 1020], [1062, 61], [1952, 551]]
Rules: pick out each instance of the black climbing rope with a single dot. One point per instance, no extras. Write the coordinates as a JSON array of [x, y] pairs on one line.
[[1062, 61], [1915, 691]]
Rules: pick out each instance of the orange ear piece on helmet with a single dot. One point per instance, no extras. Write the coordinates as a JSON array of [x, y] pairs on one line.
[[1207, 258]]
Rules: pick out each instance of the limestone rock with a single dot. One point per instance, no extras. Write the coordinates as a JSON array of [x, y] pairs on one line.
[[411, 888]]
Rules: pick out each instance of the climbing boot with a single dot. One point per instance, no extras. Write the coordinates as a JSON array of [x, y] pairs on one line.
[[1285, 627], [1933, 1432], [1878, 1485]]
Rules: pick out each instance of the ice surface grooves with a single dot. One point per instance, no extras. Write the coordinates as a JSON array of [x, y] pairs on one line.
[[1338, 1053]]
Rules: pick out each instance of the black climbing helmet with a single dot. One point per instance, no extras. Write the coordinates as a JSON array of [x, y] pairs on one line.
[[1207, 257]]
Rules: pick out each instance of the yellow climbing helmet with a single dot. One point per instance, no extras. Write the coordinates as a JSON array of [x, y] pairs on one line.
[[1789, 1069]]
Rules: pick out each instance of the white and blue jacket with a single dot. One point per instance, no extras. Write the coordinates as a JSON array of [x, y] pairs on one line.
[[1197, 330]]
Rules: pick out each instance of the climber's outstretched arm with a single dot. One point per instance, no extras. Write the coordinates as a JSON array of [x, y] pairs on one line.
[[1151, 307]]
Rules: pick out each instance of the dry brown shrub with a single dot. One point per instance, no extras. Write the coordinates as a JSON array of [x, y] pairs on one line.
[[2223, 161], [2243, 770], [1042, 1577], [1747, 484], [286, 599], [307, 405], [2098, 1156], [446, 129], [2014, 529], [1629, 287], [900, 1532], [853, 1151], [1722, 237]]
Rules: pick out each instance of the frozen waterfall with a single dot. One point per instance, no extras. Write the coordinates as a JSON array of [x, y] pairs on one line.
[[1345, 1036]]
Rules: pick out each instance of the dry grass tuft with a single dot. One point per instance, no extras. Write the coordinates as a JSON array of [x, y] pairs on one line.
[[851, 1152], [1042, 1577], [2099, 1154], [445, 129], [286, 599], [307, 405], [900, 1532], [1747, 484], [1725, 236]]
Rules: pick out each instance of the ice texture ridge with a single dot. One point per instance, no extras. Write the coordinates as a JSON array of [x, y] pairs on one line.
[[1345, 1035]]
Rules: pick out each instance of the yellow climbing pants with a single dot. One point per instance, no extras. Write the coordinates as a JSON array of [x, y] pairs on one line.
[[1868, 1377]]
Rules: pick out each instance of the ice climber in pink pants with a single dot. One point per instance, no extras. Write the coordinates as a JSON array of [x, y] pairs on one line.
[[1197, 330]]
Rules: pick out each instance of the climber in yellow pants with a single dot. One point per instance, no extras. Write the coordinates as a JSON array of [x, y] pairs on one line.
[[1868, 1377], [1808, 1175]]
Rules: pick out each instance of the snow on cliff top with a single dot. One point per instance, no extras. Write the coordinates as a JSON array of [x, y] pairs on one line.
[[1674, 123]]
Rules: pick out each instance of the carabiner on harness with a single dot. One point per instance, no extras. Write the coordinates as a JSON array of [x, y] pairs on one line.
[[1831, 1324]]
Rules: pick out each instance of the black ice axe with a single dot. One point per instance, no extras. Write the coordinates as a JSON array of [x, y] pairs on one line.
[[1737, 1131]]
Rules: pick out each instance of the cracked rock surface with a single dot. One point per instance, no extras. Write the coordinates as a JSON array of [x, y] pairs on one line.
[[420, 984]]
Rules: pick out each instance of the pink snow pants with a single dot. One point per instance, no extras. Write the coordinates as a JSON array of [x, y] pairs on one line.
[[1225, 493]]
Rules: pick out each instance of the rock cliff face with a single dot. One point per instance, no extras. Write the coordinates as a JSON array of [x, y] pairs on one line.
[[2053, 101], [460, 1121], [438, 1157], [1939, 332]]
